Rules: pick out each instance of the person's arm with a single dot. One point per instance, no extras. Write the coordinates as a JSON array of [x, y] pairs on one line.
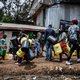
[[78, 34], [54, 33]]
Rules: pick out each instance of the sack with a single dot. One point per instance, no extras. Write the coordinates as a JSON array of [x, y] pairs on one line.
[[30, 55], [52, 39]]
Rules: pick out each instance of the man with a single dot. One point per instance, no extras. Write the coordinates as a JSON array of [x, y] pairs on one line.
[[49, 32], [73, 39]]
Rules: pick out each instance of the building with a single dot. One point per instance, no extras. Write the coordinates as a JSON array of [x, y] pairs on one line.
[[45, 12], [14, 29]]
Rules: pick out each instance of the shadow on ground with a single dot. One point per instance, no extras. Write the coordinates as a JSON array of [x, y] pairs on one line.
[[28, 66]]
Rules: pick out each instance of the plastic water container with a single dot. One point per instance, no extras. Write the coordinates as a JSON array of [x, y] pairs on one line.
[[20, 53], [57, 49], [52, 39], [8, 57], [25, 44]]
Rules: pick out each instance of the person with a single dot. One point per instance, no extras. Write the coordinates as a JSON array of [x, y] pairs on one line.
[[3, 46], [42, 41], [49, 32], [73, 39], [25, 50], [63, 41], [13, 46], [36, 46], [21, 38]]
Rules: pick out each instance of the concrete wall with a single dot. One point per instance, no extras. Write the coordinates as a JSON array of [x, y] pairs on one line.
[[39, 19], [75, 12], [53, 16], [57, 12]]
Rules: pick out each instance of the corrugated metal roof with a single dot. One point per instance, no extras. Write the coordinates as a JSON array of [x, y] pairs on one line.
[[20, 27]]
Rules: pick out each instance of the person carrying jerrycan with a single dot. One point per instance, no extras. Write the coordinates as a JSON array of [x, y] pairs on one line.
[[49, 44], [73, 35]]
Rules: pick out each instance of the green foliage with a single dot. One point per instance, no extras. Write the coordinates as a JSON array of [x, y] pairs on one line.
[[20, 11], [1, 14], [7, 19]]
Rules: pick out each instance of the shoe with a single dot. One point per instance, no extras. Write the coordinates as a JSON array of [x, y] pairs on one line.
[[17, 63], [78, 60], [59, 60], [50, 59], [47, 59], [68, 62]]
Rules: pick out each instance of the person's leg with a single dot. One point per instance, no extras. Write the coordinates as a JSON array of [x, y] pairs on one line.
[[70, 54], [47, 50], [19, 60], [38, 49], [73, 47], [50, 51], [60, 57], [78, 53]]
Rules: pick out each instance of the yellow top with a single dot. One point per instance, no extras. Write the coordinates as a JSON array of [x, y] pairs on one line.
[[30, 41], [23, 39]]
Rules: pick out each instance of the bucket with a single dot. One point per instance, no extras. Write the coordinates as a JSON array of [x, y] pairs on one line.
[[57, 49], [14, 41], [52, 39], [25, 46], [20, 53]]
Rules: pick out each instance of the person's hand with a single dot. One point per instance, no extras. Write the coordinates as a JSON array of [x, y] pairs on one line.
[[19, 46]]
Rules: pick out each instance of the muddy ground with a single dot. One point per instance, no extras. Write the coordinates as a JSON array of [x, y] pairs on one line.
[[39, 67]]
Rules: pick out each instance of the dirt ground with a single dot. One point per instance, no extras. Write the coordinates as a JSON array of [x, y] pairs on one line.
[[39, 66]]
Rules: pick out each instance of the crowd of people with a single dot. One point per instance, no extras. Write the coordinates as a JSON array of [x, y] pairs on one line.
[[71, 37], [24, 48]]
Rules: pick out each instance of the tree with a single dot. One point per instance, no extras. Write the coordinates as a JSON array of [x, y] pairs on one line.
[[1, 14], [15, 11]]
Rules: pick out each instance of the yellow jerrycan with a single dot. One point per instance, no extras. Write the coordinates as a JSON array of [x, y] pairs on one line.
[[57, 48], [6, 56], [74, 53], [0, 57], [68, 50], [20, 53]]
